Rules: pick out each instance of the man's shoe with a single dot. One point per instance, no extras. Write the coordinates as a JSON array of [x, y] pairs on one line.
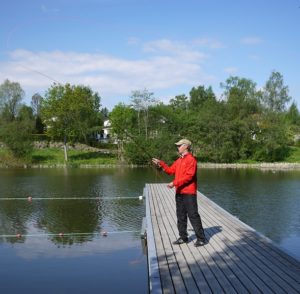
[[200, 242], [180, 241]]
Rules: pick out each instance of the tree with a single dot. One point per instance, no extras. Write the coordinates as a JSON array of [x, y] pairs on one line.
[[272, 139], [275, 94], [200, 95], [105, 113], [17, 134], [36, 101], [180, 102], [141, 101], [15, 120], [293, 115], [123, 121], [241, 97], [70, 113], [11, 95]]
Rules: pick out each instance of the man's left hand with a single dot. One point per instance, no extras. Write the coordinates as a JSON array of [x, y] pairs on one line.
[[170, 185]]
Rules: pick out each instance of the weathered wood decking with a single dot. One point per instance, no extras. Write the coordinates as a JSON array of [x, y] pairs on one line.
[[237, 259]]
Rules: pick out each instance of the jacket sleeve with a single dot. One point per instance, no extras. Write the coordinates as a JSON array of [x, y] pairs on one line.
[[187, 177], [170, 170]]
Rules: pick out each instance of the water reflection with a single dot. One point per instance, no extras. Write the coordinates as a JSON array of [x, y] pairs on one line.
[[84, 261], [266, 200]]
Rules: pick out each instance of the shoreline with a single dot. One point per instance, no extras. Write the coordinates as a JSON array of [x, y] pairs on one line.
[[261, 166]]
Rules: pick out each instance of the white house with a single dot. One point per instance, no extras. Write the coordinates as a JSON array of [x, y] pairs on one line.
[[105, 133]]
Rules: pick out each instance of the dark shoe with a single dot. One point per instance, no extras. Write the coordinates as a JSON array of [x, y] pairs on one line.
[[200, 242], [180, 241]]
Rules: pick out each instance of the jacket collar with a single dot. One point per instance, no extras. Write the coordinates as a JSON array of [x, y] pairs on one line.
[[184, 154]]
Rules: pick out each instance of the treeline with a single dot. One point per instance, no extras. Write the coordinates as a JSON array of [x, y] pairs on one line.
[[246, 124], [66, 113]]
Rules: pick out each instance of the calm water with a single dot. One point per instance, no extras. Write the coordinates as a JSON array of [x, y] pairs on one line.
[[85, 261]]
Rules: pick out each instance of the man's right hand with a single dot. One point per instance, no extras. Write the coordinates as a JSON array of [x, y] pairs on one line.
[[156, 161]]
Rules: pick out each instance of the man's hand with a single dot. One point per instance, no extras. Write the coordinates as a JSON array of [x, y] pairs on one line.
[[156, 161], [170, 185]]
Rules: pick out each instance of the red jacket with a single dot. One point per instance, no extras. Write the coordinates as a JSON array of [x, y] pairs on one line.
[[185, 170]]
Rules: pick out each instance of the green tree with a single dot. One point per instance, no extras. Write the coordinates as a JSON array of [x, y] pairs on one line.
[[36, 101], [242, 107], [16, 120], [275, 93], [11, 95], [17, 134], [141, 101], [180, 102], [71, 113], [293, 116], [123, 121], [200, 95], [272, 139]]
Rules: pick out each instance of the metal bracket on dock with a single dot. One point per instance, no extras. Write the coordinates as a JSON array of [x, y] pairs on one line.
[[144, 229]]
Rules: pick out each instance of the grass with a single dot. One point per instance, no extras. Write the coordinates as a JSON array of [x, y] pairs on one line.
[[53, 156], [294, 155], [56, 156]]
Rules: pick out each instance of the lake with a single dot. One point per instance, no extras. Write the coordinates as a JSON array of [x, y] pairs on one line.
[[75, 236]]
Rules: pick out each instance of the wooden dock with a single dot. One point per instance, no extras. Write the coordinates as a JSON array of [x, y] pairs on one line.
[[237, 259]]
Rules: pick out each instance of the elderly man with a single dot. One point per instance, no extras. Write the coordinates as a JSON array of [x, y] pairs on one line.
[[185, 183]]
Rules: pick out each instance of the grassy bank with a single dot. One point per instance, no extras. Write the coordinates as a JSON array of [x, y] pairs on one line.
[[55, 156], [294, 155], [52, 156]]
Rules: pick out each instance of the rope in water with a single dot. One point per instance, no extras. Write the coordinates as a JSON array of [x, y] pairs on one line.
[[68, 198], [102, 233]]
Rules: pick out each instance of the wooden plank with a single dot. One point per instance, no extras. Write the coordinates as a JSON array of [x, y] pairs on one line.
[[201, 259], [186, 268], [239, 288], [153, 268], [279, 254], [274, 273], [252, 260], [237, 259], [174, 272]]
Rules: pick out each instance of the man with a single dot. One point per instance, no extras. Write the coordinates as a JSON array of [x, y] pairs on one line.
[[185, 182]]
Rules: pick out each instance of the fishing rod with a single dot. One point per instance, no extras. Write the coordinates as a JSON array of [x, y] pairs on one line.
[[141, 148]]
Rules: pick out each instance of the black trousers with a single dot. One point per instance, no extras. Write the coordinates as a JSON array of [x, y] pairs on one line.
[[186, 206]]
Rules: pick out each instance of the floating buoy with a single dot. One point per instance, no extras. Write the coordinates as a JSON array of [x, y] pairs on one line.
[[29, 198], [61, 235], [18, 235], [104, 233]]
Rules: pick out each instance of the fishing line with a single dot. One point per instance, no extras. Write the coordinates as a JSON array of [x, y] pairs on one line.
[[32, 22], [40, 73]]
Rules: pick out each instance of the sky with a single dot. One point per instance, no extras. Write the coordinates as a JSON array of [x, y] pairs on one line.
[[165, 46]]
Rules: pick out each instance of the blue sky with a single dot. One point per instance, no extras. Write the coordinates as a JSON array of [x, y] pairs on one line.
[[167, 46]]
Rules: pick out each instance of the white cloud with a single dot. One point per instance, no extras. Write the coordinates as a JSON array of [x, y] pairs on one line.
[[231, 70], [251, 40], [167, 64], [210, 43]]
